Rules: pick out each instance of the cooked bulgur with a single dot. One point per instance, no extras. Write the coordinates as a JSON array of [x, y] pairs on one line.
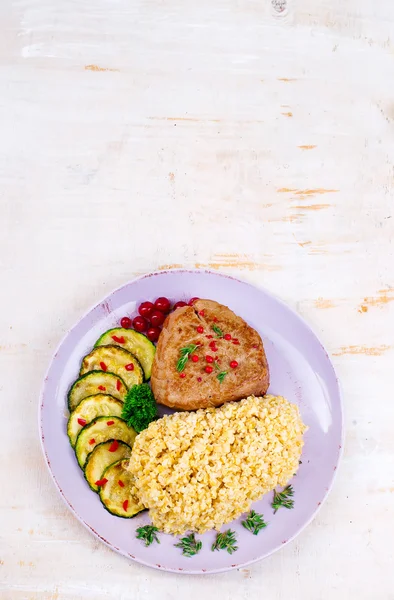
[[198, 470]]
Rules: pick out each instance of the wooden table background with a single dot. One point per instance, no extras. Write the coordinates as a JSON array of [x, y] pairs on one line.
[[248, 136]]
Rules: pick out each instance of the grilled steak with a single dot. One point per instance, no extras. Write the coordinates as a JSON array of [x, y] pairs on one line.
[[239, 365]]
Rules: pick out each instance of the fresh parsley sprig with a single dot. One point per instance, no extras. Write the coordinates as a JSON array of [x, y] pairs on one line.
[[218, 331], [225, 541], [184, 356], [190, 546], [254, 522], [148, 534], [139, 408], [283, 498]]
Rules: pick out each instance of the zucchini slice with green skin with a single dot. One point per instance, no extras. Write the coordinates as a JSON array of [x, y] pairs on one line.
[[119, 500], [101, 430], [88, 409], [136, 343], [115, 360], [101, 458], [96, 382]]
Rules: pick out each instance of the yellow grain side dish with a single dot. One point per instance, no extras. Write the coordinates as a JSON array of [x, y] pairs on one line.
[[196, 471]]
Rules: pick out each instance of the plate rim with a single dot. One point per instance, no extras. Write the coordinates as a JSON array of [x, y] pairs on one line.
[[181, 570]]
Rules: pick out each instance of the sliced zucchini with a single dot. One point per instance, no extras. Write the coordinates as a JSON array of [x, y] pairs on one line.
[[96, 382], [101, 430], [88, 409], [118, 500], [115, 360], [136, 343], [101, 458]]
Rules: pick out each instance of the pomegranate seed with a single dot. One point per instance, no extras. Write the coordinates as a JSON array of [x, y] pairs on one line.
[[118, 340], [209, 359], [200, 329], [102, 388], [163, 304], [209, 336], [255, 346], [92, 441], [145, 309], [101, 482], [215, 320], [182, 375], [103, 366], [227, 336], [194, 358], [114, 446], [140, 324], [153, 334], [129, 367], [213, 346], [179, 304], [120, 482], [208, 369], [233, 364], [125, 505], [118, 385], [199, 379], [125, 323], [82, 422], [157, 318], [202, 313], [192, 300], [110, 422], [236, 342]]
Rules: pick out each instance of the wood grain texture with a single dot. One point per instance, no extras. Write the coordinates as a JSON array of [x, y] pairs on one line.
[[254, 137]]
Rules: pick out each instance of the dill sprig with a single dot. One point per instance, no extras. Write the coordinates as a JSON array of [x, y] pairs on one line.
[[283, 498], [225, 541], [218, 331], [184, 356], [190, 546], [148, 534], [221, 375], [254, 522]]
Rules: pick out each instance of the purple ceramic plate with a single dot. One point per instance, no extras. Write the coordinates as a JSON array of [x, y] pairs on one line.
[[300, 370]]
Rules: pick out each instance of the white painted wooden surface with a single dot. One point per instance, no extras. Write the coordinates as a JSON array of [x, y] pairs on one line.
[[222, 133]]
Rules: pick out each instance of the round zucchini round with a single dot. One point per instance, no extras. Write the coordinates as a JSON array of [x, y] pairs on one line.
[[101, 430], [103, 456], [115, 360], [133, 341], [119, 493], [96, 382], [90, 408]]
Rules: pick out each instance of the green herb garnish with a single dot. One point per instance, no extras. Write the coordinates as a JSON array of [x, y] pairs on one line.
[[254, 522], [221, 375], [218, 331], [225, 541], [190, 546], [139, 408], [148, 534], [184, 356], [283, 498]]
